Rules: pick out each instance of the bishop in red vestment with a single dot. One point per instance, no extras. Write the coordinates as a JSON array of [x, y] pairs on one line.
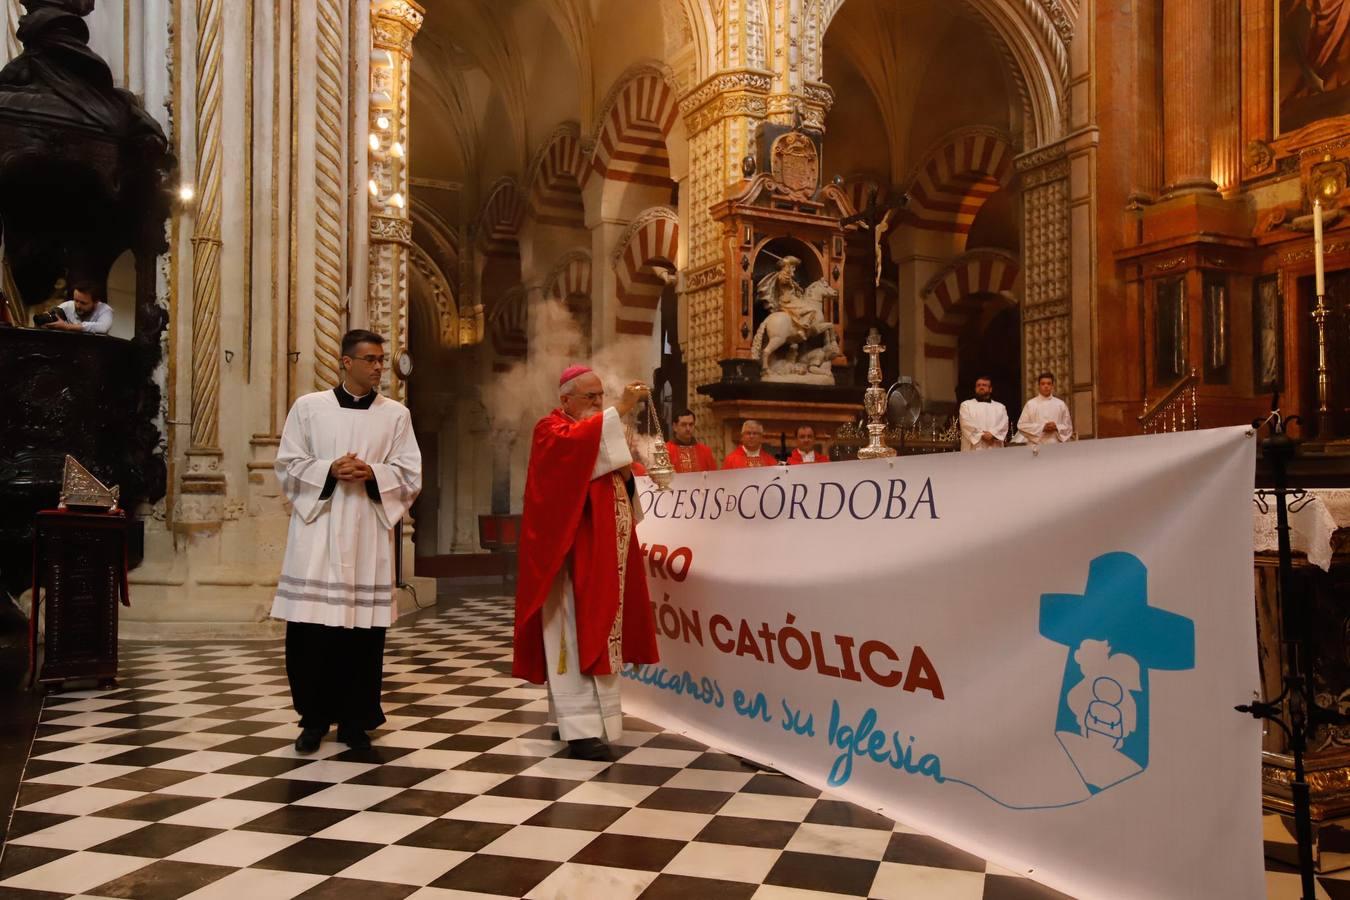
[[582, 606], [805, 451], [687, 454], [749, 455]]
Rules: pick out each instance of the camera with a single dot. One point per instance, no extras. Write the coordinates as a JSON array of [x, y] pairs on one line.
[[54, 314]]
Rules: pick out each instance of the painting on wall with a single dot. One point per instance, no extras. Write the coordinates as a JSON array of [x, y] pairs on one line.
[[1312, 75], [1267, 334], [1169, 331]]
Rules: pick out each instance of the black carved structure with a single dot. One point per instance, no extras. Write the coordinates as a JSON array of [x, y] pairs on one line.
[[79, 575], [84, 175]]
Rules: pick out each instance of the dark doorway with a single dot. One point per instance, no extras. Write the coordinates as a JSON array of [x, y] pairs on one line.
[[991, 345], [670, 385]]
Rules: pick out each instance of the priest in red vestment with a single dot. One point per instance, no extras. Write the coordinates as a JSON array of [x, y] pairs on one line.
[[750, 454], [582, 607], [805, 451], [687, 454]]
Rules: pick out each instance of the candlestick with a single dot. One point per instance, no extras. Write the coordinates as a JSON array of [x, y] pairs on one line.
[[1318, 248], [874, 401]]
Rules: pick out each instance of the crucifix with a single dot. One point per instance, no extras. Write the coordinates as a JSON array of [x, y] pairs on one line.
[[876, 218]]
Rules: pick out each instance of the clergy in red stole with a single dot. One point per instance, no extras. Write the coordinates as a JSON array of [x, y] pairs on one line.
[[805, 451], [687, 454], [749, 455], [582, 606]]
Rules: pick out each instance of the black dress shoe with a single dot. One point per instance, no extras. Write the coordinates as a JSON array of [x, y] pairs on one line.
[[592, 749], [309, 739], [555, 736], [354, 738]]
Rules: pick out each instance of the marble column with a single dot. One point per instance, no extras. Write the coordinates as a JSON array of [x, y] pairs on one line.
[[1188, 96], [394, 23]]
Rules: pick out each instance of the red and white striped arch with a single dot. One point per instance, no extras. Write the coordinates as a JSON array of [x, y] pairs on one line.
[[555, 186], [508, 325], [880, 304], [571, 277], [650, 242], [958, 293], [630, 143], [500, 218], [953, 182]]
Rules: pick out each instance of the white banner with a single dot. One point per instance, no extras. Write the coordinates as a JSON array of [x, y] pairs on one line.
[[1035, 658]]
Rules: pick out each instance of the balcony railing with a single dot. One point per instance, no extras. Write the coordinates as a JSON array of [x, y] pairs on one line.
[[1176, 410]]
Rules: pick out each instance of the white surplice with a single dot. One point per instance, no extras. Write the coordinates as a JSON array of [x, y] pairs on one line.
[[1038, 411], [339, 564], [584, 706], [977, 418]]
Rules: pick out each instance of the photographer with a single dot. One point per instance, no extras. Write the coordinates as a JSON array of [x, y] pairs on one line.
[[84, 311]]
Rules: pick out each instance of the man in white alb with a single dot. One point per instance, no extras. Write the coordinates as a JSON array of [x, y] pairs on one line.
[[984, 421], [1045, 419], [349, 464]]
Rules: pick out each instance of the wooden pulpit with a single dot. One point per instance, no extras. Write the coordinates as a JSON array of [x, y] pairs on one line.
[[79, 575]]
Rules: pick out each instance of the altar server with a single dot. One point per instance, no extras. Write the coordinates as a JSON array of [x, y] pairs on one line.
[[984, 421], [582, 607], [1045, 419], [349, 464]]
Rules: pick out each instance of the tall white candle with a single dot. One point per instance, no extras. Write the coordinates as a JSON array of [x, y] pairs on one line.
[[1317, 248]]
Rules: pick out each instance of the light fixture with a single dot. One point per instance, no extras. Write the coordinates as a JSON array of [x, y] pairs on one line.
[[396, 149], [382, 123], [374, 188], [396, 200], [375, 143], [186, 193]]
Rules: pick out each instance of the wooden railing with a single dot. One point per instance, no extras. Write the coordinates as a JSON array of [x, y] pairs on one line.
[[1176, 410]]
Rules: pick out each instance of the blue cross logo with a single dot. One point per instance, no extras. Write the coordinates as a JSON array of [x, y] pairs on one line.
[[1114, 638]]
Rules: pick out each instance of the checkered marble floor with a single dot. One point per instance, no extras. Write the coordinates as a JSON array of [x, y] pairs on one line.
[[183, 783]]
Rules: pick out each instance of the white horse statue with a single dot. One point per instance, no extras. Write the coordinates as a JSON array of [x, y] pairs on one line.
[[795, 316]]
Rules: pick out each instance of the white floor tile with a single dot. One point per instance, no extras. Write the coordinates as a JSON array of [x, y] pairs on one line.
[[405, 865], [607, 794], [214, 784], [82, 801], [838, 840], [375, 827], [506, 810], [236, 848], [897, 881], [349, 796], [532, 842], [77, 873], [223, 813], [573, 880], [768, 806], [79, 834], [257, 884], [661, 823], [723, 861]]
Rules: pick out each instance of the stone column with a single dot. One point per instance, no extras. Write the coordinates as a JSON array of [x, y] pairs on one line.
[[393, 25], [1188, 98], [1046, 321], [203, 487], [719, 114]]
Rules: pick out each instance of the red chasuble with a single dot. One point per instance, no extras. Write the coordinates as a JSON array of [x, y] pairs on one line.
[[571, 520], [691, 457], [737, 459], [796, 458]]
